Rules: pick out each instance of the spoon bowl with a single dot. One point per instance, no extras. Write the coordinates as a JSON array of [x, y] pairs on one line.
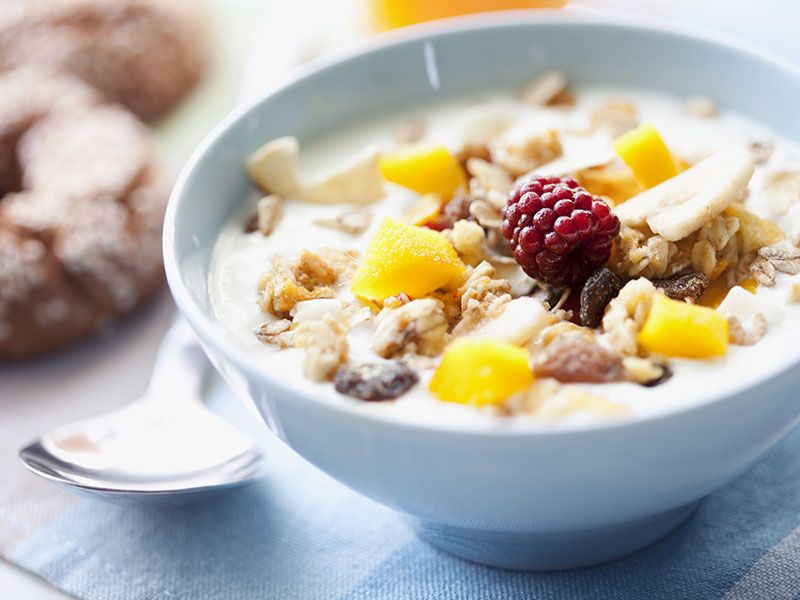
[[164, 448]]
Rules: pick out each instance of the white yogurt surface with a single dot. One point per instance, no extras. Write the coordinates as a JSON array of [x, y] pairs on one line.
[[240, 258]]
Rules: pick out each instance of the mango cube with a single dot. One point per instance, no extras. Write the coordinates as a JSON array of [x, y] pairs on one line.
[[481, 371], [674, 328], [404, 258], [424, 169], [647, 155]]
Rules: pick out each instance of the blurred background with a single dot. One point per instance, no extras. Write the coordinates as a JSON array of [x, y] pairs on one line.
[[251, 45]]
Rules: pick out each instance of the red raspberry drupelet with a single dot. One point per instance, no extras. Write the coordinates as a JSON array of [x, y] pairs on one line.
[[560, 233]]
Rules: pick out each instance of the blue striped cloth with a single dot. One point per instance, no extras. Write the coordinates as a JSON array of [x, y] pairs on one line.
[[297, 534]]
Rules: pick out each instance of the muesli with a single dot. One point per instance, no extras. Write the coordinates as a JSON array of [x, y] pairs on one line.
[[567, 256]]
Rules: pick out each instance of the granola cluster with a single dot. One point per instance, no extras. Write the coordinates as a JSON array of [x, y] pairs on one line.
[[481, 296], [309, 277]]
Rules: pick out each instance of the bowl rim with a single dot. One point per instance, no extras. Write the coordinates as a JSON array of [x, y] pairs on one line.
[[212, 334]]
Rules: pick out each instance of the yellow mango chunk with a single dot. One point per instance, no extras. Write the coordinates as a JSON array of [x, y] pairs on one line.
[[426, 209], [404, 258], [481, 371], [647, 155], [674, 328], [424, 169]]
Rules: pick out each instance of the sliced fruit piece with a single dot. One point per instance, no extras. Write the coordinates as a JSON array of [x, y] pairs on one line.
[[519, 322], [647, 155], [681, 205], [274, 167], [357, 180], [755, 231], [404, 258], [424, 169], [424, 210], [481, 371], [675, 328]]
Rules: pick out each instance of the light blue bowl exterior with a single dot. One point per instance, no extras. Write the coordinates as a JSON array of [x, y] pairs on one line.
[[518, 500]]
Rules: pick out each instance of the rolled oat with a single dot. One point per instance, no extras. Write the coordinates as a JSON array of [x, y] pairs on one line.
[[269, 210], [275, 333], [522, 155], [354, 222], [747, 336], [626, 315], [326, 347], [418, 327]]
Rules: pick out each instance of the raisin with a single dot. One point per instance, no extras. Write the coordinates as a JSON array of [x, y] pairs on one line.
[[681, 287], [456, 209], [600, 289], [574, 359], [375, 382]]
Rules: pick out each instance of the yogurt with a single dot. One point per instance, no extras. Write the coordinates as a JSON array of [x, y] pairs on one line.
[[241, 258]]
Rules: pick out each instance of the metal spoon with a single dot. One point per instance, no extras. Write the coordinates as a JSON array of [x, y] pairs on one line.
[[165, 448]]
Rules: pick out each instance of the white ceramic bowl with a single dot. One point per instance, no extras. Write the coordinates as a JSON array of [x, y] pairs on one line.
[[511, 499]]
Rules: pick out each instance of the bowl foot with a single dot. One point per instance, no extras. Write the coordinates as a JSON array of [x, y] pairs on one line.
[[552, 551]]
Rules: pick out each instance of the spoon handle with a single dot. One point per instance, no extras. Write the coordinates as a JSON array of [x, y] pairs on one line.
[[180, 367]]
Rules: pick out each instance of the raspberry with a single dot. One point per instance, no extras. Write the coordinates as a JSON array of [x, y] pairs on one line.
[[560, 233]]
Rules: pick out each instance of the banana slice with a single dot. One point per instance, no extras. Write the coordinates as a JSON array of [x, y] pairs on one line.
[[683, 204], [357, 180], [522, 319]]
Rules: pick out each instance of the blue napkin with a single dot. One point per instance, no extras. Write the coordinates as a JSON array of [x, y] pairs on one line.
[[297, 534]]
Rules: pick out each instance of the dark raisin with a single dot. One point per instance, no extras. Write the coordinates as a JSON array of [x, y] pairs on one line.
[[681, 287], [574, 359], [455, 210], [600, 289], [374, 382]]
